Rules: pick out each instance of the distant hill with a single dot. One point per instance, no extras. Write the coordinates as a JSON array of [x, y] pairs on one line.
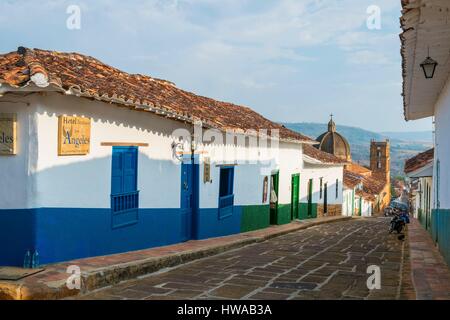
[[403, 145], [423, 136]]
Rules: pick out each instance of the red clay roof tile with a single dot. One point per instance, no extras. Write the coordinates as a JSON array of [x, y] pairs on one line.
[[419, 161], [370, 185], [322, 156], [75, 73]]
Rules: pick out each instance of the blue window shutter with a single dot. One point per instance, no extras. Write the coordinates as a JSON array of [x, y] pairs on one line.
[[117, 173], [124, 193], [226, 196], [130, 170]]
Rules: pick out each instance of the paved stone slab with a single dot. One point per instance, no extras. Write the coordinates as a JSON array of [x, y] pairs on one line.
[[329, 261], [430, 274], [98, 272]]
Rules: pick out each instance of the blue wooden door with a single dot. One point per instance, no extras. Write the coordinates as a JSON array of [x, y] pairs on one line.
[[187, 198], [124, 193]]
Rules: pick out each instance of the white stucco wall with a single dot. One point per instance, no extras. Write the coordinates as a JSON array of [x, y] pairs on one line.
[[347, 204], [329, 174], [423, 198], [16, 183], [442, 147], [85, 181], [417, 204], [44, 179], [254, 163], [290, 162], [366, 208]]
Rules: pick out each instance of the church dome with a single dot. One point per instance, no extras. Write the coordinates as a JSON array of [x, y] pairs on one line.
[[334, 143]]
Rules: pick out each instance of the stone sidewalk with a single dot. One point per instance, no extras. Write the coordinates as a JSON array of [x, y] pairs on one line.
[[430, 274], [329, 261], [98, 272]]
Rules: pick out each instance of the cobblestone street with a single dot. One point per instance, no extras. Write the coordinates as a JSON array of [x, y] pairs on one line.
[[329, 261]]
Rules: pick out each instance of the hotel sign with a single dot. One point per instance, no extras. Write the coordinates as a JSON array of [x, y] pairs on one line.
[[8, 124], [74, 135], [207, 170]]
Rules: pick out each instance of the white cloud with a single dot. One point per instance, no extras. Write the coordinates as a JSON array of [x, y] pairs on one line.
[[252, 84], [368, 58], [254, 52]]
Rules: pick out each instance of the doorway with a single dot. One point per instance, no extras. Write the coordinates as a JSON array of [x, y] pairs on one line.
[[310, 195], [295, 191], [274, 184], [189, 196]]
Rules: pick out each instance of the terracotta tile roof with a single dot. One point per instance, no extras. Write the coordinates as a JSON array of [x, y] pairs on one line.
[[365, 195], [354, 167], [77, 74], [373, 185], [351, 179], [419, 161], [370, 185], [322, 156]]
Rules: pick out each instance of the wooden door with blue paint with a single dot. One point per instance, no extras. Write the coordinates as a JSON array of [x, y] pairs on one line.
[[124, 193], [187, 198]]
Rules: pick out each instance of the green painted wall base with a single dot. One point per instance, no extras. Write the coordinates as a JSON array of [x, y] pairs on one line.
[[425, 220], [441, 231], [255, 217], [421, 217], [303, 211], [283, 214], [434, 225]]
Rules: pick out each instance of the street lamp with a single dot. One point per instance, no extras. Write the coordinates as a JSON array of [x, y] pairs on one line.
[[429, 67]]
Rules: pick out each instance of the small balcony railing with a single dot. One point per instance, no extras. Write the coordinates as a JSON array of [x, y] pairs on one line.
[[124, 208], [226, 206]]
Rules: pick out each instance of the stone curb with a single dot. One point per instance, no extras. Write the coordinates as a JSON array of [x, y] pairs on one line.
[[103, 277]]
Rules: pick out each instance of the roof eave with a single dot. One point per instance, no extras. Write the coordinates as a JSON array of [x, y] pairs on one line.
[[422, 172], [31, 86], [420, 31], [314, 161]]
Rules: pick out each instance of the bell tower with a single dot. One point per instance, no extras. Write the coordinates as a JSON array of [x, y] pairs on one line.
[[380, 160]]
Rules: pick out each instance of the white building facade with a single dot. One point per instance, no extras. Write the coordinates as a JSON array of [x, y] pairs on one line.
[[87, 174], [419, 170], [426, 92], [348, 205], [321, 186]]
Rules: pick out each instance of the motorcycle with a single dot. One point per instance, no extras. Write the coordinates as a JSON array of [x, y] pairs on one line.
[[398, 222], [389, 211]]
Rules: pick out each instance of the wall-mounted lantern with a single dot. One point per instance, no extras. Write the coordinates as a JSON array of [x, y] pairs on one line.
[[429, 67], [177, 150]]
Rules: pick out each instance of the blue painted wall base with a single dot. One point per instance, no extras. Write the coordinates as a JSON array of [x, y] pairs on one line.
[[441, 231], [17, 235], [62, 234], [208, 223]]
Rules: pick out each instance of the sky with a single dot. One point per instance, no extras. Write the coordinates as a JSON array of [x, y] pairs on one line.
[[290, 60]]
